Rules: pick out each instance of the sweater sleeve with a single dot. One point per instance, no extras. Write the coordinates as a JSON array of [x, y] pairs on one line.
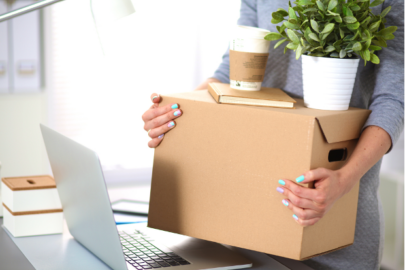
[[248, 17], [387, 101]]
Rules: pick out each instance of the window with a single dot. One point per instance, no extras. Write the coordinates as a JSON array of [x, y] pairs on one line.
[[164, 47]]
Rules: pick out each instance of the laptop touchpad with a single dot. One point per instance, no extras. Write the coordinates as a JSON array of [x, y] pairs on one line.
[[194, 243]]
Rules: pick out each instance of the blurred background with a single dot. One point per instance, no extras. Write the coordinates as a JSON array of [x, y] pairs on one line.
[[93, 86]]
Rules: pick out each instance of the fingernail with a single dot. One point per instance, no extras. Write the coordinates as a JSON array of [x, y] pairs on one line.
[[300, 179], [177, 113], [279, 189], [281, 182], [161, 136], [295, 217], [175, 106], [171, 124], [155, 97], [285, 202]]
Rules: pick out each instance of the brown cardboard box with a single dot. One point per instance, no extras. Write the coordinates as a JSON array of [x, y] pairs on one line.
[[215, 175]]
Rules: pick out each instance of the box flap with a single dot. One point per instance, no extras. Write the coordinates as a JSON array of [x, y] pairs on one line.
[[344, 126]]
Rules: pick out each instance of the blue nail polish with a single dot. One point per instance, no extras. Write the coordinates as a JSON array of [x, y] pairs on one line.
[[300, 179], [175, 106], [161, 136], [279, 189], [281, 182], [177, 113], [295, 217], [285, 202]]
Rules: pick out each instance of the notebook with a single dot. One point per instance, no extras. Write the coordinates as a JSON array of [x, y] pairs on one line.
[[266, 97]]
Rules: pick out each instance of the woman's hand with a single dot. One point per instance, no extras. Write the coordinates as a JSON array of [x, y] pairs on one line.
[[159, 120], [309, 205]]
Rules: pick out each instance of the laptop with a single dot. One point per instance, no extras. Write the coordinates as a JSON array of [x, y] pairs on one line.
[[89, 217]]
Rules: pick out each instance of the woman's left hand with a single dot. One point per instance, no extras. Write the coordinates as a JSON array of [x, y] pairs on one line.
[[309, 205]]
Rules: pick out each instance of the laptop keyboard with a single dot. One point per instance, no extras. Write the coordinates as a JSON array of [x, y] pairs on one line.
[[142, 252]]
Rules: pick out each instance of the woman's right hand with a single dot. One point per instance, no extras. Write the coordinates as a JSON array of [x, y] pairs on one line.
[[159, 120]]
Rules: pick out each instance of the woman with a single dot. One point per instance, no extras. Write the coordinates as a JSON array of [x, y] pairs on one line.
[[379, 88]]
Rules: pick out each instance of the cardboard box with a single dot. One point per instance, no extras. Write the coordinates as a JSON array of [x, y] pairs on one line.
[[215, 175], [31, 205]]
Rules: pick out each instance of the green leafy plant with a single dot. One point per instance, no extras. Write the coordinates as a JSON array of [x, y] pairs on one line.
[[333, 28]]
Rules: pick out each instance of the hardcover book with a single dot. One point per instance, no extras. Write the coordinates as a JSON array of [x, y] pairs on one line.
[[266, 97]]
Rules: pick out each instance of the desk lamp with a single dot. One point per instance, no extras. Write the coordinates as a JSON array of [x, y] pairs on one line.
[[103, 11]]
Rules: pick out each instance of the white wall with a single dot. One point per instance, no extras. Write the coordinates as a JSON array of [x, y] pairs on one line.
[[22, 151], [164, 47], [21, 147], [392, 197]]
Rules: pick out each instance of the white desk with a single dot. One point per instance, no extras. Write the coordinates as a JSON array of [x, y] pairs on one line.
[[11, 258], [62, 252]]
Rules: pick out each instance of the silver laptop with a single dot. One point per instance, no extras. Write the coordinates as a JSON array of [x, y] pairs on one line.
[[87, 209]]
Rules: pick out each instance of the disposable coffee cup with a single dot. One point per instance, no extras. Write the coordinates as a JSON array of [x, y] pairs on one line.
[[248, 56]]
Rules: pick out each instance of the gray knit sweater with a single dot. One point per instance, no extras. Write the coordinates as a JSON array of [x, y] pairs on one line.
[[379, 88]]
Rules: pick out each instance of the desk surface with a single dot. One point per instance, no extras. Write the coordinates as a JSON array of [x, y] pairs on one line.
[[61, 251], [11, 258]]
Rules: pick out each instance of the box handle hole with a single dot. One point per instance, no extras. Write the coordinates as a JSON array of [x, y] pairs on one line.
[[337, 155], [31, 181]]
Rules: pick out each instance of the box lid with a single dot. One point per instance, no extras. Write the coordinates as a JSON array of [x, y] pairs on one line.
[[344, 126], [29, 182], [337, 126]]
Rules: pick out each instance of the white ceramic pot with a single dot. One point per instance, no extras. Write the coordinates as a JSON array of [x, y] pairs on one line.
[[328, 82]]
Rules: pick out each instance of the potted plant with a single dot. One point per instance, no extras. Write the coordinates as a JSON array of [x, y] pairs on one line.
[[331, 35]]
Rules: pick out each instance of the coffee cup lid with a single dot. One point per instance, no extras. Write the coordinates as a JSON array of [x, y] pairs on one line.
[[243, 31]]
